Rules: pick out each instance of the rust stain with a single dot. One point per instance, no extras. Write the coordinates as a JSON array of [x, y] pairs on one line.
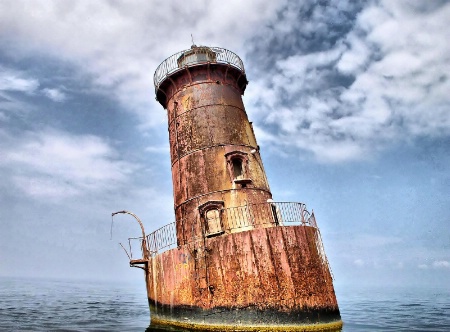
[[241, 261], [263, 269]]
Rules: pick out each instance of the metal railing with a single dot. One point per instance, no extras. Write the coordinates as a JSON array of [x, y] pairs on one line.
[[134, 242], [171, 64], [163, 238], [265, 214], [240, 218], [160, 240], [234, 219]]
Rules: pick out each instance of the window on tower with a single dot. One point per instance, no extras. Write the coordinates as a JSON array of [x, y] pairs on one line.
[[211, 213], [213, 225], [238, 173], [237, 162]]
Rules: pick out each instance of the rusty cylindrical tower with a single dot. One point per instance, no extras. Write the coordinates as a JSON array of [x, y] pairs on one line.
[[215, 158], [241, 260]]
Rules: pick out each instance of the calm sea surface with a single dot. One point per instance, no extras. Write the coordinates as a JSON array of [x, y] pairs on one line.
[[53, 305]]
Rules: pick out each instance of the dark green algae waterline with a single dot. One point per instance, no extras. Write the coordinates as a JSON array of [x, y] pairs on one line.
[[311, 328], [224, 319], [73, 305]]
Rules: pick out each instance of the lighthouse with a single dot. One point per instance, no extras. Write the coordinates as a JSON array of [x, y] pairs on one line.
[[234, 259]]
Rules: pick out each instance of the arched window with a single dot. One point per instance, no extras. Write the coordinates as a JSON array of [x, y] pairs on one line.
[[237, 162], [213, 225], [211, 215], [238, 172]]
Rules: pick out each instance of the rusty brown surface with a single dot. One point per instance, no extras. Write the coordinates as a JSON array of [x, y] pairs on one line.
[[207, 124], [271, 273], [276, 268]]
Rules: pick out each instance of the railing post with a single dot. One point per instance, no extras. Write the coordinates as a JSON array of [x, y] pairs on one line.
[[232, 218], [144, 242]]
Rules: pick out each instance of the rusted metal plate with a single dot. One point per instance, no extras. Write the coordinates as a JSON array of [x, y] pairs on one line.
[[277, 269], [207, 122]]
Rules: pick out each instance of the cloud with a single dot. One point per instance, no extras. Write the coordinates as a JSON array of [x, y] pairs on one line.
[[17, 81], [56, 165], [422, 266], [54, 94], [337, 81], [120, 45], [12, 84], [374, 241], [441, 265], [380, 81]]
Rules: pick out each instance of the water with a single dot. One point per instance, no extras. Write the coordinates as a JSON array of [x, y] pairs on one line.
[[56, 305], [395, 309]]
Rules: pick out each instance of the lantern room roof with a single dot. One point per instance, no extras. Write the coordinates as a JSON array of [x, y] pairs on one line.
[[196, 55]]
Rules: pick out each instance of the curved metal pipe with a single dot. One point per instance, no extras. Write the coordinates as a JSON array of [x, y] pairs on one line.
[[144, 241]]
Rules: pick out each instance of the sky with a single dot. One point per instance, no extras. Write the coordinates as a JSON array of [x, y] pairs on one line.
[[350, 102]]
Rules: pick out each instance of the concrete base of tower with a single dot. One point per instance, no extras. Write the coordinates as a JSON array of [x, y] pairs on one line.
[[244, 319]]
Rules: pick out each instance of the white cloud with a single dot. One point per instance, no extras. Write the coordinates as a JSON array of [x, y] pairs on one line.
[[398, 56], [356, 57], [441, 264], [54, 94], [120, 44], [16, 81], [45, 187], [373, 241], [422, 266], [396, 52], [299, 66], [56, 165]]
